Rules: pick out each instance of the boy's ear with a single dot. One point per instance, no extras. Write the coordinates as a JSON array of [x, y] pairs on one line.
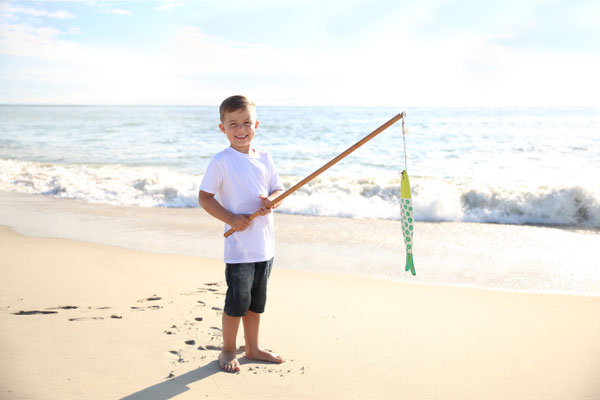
[[222, 128]]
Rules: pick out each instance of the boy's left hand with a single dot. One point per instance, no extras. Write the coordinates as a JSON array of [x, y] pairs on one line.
[[267, 205]]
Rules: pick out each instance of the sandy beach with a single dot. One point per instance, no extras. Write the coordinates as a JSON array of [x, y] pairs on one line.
[[83, 320]]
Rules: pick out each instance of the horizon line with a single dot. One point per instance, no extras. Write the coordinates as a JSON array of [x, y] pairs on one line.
[[34, 104]]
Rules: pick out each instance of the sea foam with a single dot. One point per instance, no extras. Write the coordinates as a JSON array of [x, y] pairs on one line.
[[435, 199]]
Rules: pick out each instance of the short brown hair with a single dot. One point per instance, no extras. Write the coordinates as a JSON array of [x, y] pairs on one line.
[[234, 103]]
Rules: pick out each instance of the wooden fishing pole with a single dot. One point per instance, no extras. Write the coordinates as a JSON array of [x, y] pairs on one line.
[[329, 164]]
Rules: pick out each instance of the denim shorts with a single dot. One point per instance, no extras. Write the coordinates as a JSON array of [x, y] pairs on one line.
[[246, 287]]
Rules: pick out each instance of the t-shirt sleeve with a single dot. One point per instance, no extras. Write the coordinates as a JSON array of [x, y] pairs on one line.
[[213, 178], [275, 182]]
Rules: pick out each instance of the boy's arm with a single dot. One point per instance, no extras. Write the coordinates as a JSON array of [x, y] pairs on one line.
[[239, 222]]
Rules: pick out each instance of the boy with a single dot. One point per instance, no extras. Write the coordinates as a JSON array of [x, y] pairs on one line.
[[246, 181]]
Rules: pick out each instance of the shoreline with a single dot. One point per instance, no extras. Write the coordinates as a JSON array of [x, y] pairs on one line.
[[471, 255], [332, 274], [149, 324]]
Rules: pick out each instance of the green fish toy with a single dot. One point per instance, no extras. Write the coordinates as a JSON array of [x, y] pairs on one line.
[[407, 220]]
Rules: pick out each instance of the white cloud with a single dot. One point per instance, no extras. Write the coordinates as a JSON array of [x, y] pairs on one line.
[[37, 12], [197, 52], [391, 66], [169, 5], [106, 8], [61, 71], [35, 42]]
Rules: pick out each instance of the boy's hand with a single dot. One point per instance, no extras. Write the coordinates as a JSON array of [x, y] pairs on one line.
[[267, 204], [239, 222]]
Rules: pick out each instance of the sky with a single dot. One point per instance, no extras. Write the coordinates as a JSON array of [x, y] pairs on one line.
[[301, 52]]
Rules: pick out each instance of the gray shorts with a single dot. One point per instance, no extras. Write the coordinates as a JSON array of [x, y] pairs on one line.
[[246, 287]]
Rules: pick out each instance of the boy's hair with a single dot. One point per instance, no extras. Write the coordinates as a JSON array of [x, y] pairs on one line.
[[235, 103]]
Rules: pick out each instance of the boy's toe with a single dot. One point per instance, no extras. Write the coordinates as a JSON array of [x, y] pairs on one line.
[[228, 362]]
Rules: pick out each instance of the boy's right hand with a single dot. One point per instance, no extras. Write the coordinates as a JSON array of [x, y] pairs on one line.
[[239, 222]]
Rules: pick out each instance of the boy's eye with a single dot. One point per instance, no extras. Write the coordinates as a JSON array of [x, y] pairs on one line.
[[247, 124]]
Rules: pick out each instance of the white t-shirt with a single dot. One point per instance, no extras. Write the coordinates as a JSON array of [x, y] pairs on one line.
[[238, 179]]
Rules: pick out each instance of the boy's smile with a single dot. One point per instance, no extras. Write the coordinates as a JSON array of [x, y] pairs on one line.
[[239, 126]]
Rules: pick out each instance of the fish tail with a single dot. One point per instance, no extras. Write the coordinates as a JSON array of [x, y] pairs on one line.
[[410, 266]]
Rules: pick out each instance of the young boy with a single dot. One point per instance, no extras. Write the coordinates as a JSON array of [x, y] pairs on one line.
[[246, 181]]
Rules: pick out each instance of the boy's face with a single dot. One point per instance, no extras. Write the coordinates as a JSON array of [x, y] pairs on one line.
[[239, 126]]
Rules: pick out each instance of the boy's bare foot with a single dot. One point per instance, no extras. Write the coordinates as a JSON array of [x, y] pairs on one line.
[[263, 355], [228, 361]]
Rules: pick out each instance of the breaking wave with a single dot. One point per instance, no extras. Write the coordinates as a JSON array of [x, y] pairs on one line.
[[435, 199]]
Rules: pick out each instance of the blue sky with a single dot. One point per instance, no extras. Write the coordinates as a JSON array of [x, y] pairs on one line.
[[301, 52]]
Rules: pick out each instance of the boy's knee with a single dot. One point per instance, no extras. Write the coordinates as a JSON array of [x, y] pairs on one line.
[[237, 301]]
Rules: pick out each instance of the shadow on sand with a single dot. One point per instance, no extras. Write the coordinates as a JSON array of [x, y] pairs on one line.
[[174, 387]]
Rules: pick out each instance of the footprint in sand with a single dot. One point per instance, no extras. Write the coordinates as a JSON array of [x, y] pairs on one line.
[[34, 312], [64, 308], [146, 308], [210, 347], [280, 369], [86, 318], [151, 298], [207, 290], [173, 330], [178, 354], [212, 289]]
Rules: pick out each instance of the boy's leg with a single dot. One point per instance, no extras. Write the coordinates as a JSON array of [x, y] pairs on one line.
[[251, 329], [252, 319], [227, 358], [237, 301]]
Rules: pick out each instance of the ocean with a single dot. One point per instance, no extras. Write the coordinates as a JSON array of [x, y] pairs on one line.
[[524, 166]]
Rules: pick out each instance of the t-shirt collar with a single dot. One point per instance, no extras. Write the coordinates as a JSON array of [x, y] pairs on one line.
[[252, 154]]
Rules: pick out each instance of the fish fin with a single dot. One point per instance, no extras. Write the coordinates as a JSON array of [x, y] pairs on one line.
[[410, 266]]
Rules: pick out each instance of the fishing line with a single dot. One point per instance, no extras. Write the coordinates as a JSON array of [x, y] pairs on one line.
[[404, 132]]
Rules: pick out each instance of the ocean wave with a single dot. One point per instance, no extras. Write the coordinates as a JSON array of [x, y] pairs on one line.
[[563, 206], [435, 199], [110, 184], [438, 199]]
